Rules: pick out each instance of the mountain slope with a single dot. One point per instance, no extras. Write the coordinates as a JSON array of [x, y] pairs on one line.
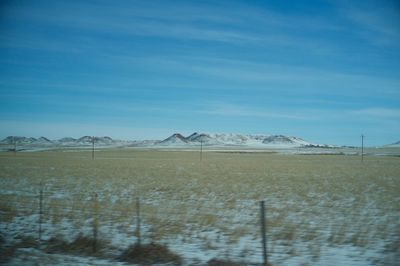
[[175, 139], [18, 139], [178, 139], [396, 144], [67, 141], [203, 138], [284, 140]]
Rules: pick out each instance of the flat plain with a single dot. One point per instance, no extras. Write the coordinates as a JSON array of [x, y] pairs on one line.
[[320, 209]]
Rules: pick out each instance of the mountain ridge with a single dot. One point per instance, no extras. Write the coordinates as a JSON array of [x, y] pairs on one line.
[[394, 144], [233, 140], [176, 140], [63, 141]]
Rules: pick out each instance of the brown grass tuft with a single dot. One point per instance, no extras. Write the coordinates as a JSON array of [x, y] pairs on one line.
[[150, 254], [81, 245], [227, 262], [218, 262], [6, 251]]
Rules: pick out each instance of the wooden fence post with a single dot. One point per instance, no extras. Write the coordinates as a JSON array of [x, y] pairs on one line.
[[95, 221], [40, 213], [139, 240], [263, 233]]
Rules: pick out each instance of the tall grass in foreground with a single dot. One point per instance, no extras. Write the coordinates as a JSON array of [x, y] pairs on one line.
[[312, 201]]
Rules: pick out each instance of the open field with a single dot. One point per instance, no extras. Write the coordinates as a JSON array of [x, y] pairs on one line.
[[321, 209]]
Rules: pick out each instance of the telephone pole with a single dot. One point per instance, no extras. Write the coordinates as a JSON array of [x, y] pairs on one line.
[[15, 145], [92, 147], [362, 148], [201, 150]]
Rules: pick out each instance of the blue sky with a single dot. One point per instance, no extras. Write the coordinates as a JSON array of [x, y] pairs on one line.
[[326, 71]]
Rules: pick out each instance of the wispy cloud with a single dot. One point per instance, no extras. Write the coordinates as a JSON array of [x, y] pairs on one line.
[[379, 21], [305, 114], [236, 110], [380, 112], [268, 76], [166, 62], [231, 23]]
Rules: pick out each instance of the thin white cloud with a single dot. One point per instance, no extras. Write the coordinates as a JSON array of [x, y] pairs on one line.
[[379, 112], [218, 23], [267, 76], [379, 21], [228, 109]]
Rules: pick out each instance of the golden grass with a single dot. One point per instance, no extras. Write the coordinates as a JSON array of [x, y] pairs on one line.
[[312, 198]]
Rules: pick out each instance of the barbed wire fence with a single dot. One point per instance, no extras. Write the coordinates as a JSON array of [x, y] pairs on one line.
[[247, 233]]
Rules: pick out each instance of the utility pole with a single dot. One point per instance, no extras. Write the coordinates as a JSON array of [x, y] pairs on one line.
[[92, 147], [362, 148], [15, 145], [201, 150], [95, 221]]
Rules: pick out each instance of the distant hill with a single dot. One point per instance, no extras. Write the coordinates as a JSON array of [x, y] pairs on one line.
[[178, 139], [67, 141], [396, 144], [18, 139], [175, 140]]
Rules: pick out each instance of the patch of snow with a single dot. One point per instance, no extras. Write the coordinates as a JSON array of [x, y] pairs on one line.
[[33, 257]]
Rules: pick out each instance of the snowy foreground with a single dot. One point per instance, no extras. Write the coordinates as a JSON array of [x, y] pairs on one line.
[[321, 210]]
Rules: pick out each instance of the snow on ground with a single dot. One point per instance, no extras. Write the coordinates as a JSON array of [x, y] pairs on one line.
[[35, 257], [196, 246], [307, 225]]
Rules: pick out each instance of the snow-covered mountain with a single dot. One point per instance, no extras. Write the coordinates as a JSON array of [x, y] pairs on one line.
[[43, 140], [67, 141], [175, 140], [396, 144], [17, 139], [284, 140], [203, 138], [233, 140], [85, 140], [238, 139]]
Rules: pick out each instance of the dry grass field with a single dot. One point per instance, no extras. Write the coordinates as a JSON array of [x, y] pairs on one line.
[[321, 209]]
